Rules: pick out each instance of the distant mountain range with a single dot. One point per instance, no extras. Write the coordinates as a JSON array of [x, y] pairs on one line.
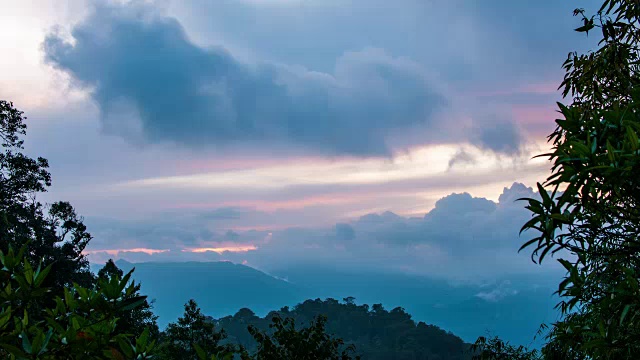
[[511, 308], [220, 288]]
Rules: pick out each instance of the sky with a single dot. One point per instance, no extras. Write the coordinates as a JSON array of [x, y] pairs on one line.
[[363, 134]]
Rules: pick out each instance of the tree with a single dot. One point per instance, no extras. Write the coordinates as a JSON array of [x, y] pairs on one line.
[[378, 335], [310, 343], [496, 349], [193, 328], [54, 234], [349, 300], [134, 321], [591, 215], [51, 305]]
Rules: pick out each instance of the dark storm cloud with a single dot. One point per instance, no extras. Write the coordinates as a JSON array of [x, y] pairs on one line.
[[142, 66]]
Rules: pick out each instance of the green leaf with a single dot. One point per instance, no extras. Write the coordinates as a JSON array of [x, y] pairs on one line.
[[611, 153], [131, 303], [125, 280], [566, 264], [5, 316], [125, 347], [26, 344], [141, 341], [42, 276], [546, 200], [633, 138], [45, 343], [625, 311], [28, 272], [13, 350], [201, 354]]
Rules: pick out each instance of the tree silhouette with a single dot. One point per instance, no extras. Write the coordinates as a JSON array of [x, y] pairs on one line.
[[310, 343], [193, 328], [51, 305], [54, 234], [377, 335]]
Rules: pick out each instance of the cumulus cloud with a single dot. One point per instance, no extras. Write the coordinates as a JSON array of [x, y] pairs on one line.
[[140, 65], [462, 238]]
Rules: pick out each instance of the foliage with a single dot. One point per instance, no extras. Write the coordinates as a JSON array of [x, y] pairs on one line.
[[132, 321], [193, 336], [310, 343], [59, 310], [496, 349], [54, 234], [375, 332], [592, 215], [81, 325]]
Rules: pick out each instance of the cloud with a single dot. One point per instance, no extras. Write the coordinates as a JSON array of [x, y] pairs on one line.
[[141, 67], [461, 157], [499, 135], [117, 252], [344, 232], [453, 37], [153, 84], [232, 248], [462, 238], [498, 293]]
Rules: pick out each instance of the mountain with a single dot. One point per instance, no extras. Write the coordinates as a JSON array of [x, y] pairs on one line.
[[219, 288], [512, 308]]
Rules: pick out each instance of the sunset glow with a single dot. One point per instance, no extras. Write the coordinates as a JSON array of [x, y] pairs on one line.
[[116, 252], [420, 162], [220, 250]]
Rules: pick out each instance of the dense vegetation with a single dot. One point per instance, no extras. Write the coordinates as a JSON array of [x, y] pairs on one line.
[[376, 333]]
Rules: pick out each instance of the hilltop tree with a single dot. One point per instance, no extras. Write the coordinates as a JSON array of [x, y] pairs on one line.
[[309, 343], [376, 334], [591, 215], [179, 340], [496, 349]]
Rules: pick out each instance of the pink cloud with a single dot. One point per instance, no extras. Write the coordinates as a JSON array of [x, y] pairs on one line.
[[542, 88], [539, 120], [297, 203], [115, 252]]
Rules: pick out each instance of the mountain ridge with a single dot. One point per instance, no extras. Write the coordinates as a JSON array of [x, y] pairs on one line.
[[514, 308]]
